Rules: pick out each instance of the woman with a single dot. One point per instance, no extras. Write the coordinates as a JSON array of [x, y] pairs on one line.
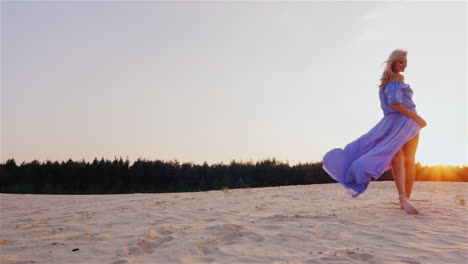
[[391, 143]]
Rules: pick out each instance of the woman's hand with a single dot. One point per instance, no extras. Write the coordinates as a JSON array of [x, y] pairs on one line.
[[402, 109], [421, 122]]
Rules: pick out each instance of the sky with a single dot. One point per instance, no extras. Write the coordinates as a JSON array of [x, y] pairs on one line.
[[222, 81]]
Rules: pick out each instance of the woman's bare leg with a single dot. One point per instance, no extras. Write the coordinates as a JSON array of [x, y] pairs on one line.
[[409, 150], [398, 167]]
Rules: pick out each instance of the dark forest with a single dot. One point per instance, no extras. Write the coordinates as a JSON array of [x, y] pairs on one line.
[[146, 176]]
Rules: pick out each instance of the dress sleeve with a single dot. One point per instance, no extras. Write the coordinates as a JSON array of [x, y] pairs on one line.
[[394, 93]]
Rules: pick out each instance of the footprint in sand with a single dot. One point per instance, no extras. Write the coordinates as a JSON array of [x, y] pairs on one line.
[[53, 231], [359, 256], [459, 199], [90, 237], [122, 208], [409, 262], [345, 255], [197, 259], [120, 261], [154, 239], [4, 242], [272, 227], [37, 222], [27, 226], [86, 214], [16, 260], [209, 220], [226, 234], [164, 203], [276, 218], [285, 238], [148, 245], [293, 217]]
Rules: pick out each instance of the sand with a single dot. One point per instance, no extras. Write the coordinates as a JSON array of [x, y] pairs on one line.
[[289, 224]]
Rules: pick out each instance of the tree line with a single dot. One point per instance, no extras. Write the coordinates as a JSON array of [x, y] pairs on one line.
[[118, 176]]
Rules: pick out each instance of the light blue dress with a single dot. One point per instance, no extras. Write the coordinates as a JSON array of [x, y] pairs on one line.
[[371, 155]]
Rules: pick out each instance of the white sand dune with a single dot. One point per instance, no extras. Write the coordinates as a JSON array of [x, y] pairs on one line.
[[291, 224]]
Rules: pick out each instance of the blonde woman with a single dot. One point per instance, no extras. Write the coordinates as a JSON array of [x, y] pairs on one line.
[[391, 143]]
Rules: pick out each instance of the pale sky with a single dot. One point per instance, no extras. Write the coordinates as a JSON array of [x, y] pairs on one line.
[[222, 81]]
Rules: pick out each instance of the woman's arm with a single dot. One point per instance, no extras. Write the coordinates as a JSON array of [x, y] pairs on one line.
[[402, 109]]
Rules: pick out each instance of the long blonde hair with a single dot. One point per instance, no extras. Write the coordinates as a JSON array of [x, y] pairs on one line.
[[388, 73]]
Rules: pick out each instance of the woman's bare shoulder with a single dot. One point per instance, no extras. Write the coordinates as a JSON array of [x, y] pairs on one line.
[[398, 78]]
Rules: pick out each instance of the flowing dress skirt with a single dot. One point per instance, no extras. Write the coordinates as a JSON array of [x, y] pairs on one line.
[[371, 154]]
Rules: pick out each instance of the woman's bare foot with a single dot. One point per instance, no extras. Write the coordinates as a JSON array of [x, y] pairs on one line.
[[407, 206]]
